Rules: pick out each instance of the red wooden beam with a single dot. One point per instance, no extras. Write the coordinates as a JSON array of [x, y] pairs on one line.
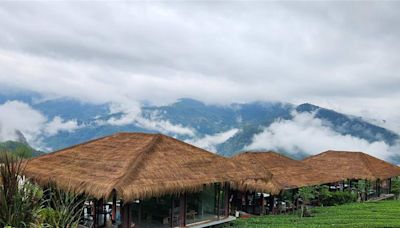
[[182, 210], [125, 215], [114, 207], [226, 199]]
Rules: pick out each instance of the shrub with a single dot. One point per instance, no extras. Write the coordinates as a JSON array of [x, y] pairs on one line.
[[22, 203], [20, 200], [306, 194], [396, 187], [337, 198], [61, 210]]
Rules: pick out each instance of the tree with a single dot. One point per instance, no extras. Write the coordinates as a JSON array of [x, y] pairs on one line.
[[306, 194]]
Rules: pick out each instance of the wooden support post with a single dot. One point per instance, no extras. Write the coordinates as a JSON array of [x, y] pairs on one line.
[[215, 199], [235, 200], [390, 186], [226, 200], [379, 183], [366, 189], [262, 204], [114, 207], [95, 214], [182, 210], [139, 221], [126, 215], [253, 202], [218, 200], [271, 203], [172, 211], [100, 208], [246, 198]]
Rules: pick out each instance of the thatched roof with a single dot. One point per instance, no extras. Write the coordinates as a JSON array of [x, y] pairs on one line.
[[352, 165], [137, 166], [286, 172]]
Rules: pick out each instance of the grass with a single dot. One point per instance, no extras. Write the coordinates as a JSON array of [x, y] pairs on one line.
[[371, 214]]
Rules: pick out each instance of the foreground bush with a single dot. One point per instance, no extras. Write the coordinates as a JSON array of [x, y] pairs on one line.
[[61, 210], [328, 198], [23, 204], [20, 201]]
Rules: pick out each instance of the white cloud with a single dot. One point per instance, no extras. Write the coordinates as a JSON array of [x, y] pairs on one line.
[[132, 115], [209, 142], [58, 124], [15, 115], [123, 52], [164, 126], [304, 133], [129, 113]]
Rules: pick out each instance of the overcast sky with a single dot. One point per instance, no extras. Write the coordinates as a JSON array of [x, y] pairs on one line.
[[342, 55]]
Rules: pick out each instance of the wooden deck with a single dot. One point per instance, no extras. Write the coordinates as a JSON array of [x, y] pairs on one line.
[[382, 197], [209, 223]]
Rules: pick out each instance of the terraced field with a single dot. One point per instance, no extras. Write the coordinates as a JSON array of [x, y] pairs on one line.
[[371, 214]]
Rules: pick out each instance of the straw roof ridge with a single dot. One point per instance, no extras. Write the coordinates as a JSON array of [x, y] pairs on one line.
[[368, 164], [134, 164], [207, 160]]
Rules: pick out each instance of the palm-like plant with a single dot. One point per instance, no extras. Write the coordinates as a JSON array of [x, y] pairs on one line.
[[62, 209], [19, 200], [22, 203]]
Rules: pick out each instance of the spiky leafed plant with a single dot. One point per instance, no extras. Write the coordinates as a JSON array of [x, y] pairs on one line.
[[19, 199], [61, 209]]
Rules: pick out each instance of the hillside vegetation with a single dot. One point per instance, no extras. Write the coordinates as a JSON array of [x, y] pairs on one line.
[[19, 149], [370, 214]]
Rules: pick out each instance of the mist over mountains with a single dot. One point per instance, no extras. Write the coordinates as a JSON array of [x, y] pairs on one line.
[[51, 124]]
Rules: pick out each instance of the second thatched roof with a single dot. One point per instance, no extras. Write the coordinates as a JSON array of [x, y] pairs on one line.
[[352, 165], [286, 172], [138, 166]]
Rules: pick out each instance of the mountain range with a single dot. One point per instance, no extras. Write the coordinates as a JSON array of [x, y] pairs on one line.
[[226, 129]]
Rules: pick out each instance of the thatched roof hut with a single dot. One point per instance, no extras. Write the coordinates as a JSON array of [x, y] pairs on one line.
[[287, 173], [137, 166], [352, 165]]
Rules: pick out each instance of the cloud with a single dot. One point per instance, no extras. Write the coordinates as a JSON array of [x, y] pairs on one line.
[[153, 121], [58, 124], [129, 113], [19, 116], [209, 142], [164, 126], [304, 133], [15, 115], [335, 53]]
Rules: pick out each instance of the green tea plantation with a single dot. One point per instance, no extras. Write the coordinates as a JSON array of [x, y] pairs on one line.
[[370, 214]]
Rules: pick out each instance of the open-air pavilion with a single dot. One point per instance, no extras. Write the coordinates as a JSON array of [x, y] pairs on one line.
[[149, 180], [287, 174], [355, 166]]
